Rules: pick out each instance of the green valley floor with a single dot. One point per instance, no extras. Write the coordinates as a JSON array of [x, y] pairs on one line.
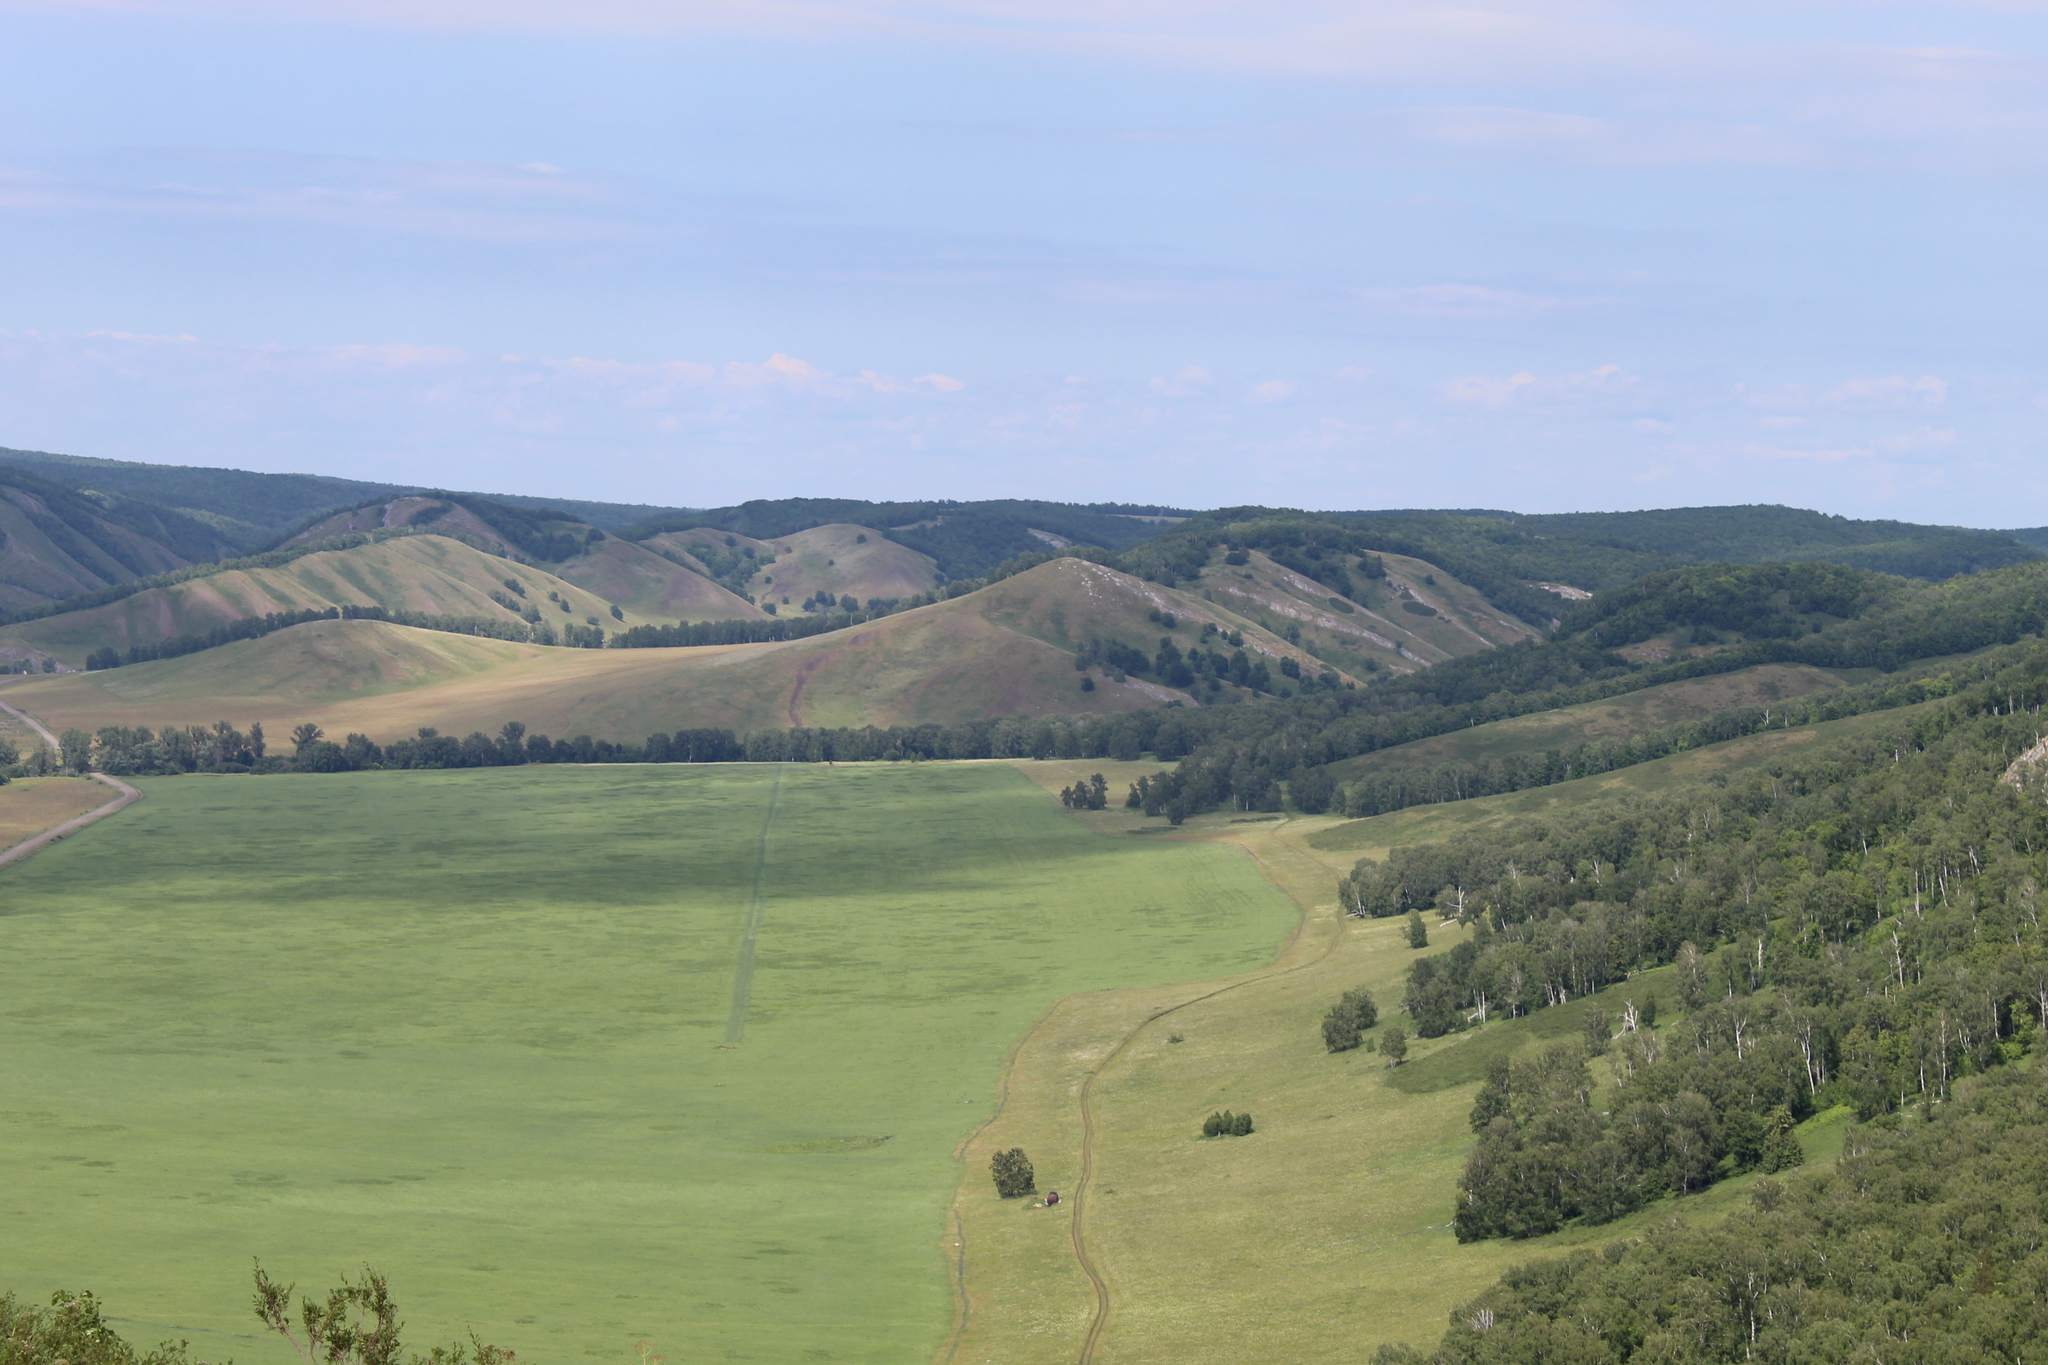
[[577, 1056]]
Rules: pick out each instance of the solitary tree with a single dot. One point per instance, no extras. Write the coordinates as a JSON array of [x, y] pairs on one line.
[[1348, 1019], [1013, 1174], [1598, 1032], [1418, 932], [305, 734], [1394, 1045]]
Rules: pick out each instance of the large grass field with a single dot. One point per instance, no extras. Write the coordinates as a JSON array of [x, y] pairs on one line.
[[577, 1056]]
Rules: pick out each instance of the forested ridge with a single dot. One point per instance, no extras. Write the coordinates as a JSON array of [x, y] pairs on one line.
[[1858, 928]]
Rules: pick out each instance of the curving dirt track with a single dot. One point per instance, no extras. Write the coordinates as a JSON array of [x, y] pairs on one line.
[[1098, 1325], [125, 795]]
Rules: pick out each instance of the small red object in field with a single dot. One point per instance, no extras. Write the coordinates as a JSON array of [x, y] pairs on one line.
[[1051, 1197]]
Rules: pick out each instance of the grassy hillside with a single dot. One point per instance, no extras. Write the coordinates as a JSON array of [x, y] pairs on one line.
[[55, 543], [425, 573], [518, 1040], [652, 587], [1005, 650], [842, 559]]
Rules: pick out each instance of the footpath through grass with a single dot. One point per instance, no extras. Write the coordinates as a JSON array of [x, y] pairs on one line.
[[471, 1027]]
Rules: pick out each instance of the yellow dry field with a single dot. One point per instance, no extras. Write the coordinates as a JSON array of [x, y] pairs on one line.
[[1320, 1236], [30, 805]]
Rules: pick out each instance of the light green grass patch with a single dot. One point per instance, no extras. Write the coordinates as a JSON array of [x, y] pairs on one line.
[[470, 1027]]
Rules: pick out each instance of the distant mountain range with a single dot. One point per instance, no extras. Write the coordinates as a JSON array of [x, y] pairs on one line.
[[850, 612]]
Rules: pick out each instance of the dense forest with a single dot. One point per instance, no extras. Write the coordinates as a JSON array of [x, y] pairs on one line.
[[1859, 928], [1923, 1245]]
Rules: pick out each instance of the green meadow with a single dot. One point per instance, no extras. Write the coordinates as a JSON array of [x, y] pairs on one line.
[[577, 1056]]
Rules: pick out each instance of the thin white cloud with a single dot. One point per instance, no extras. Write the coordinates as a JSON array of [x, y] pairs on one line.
[[1833, 455], [467, 201], [1891, 392], [1600, 388], [1461, 301]]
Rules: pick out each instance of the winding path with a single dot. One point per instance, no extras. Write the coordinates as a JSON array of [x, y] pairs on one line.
[[1098, 1325], [125, 795]]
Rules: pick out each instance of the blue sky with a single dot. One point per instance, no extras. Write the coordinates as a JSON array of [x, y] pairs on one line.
[[1542, 256]]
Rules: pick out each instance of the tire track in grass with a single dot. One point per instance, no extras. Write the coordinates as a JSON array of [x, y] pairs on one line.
[[743, 970], [1098, 1324]]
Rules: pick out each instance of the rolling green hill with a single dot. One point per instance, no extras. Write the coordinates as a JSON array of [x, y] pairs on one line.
[[652, 586], [841, 559]]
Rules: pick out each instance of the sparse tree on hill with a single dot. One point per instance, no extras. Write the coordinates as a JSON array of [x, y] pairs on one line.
[[1013, 1174], [77, 749], [305, 734], [1394, 1045], [1418, 932]]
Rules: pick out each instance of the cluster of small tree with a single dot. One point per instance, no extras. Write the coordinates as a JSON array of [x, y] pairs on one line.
[[685, 633], [130, 750], [1112, 656], [1090, 795], [1345, 1025], [1227, 1124], [1922, 1243], [1544, 1157], [1012, 1172]]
